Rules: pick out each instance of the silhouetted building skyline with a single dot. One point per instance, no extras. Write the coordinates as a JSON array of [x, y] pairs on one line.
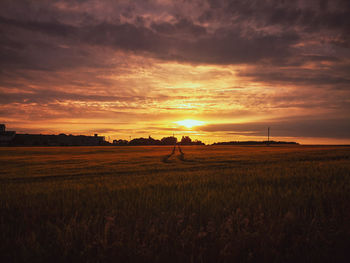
[[10, 138], [6, 136]]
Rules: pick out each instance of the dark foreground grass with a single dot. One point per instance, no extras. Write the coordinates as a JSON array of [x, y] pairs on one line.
[[214, 204]]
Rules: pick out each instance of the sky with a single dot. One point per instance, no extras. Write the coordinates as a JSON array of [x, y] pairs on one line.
[[127, 69]]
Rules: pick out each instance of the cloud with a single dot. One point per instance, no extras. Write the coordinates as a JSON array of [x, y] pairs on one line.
[[159, 60], [181, 41], [48, 96], [298, 76], [239, 31], [47, 27]]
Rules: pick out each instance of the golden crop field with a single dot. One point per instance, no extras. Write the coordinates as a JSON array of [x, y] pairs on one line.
[[142, 204]]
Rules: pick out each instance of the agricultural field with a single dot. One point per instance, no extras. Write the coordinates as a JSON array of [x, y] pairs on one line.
[[145, 204]]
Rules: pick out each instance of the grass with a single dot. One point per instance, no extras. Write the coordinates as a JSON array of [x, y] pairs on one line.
[[212, 204]]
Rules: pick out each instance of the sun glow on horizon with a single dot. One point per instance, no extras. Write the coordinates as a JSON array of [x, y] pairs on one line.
[[189, 123]]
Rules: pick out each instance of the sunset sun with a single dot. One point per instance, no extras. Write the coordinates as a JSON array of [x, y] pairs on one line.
[[189, 123]]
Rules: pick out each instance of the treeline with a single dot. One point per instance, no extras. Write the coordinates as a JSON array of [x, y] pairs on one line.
[[254, 143], [185, 140]]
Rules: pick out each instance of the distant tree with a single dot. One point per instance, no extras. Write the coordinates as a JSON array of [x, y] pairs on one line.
[[253, 143], [138, 141], [144, 141], [120, 142], [168, 140], [152, 141], [186, 140], [197, 142]]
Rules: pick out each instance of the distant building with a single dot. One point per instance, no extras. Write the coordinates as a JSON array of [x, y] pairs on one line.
[[57, 140], [6, 136], [10, 138], [120, 142]]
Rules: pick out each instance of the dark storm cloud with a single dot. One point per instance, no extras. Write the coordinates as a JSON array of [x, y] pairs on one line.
[[46, 27], [182, 27], [182, 41], [241, 31], [309, 14]]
